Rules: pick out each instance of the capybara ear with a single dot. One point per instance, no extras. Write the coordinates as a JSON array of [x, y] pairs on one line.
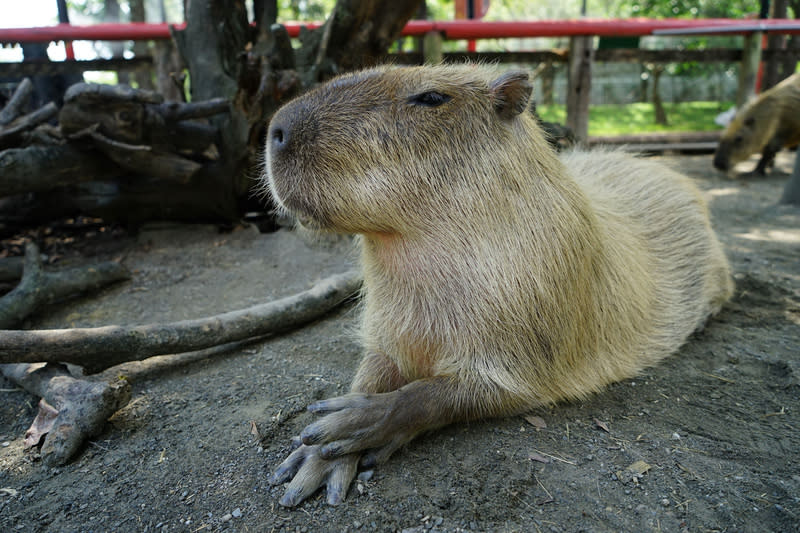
[[511, 93]]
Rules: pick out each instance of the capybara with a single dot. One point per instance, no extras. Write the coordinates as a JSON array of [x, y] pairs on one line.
[[766, 124], [497, 277]]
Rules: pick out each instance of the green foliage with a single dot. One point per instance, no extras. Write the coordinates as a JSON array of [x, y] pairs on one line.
[[440, 9], [638, 118], [304, 10]]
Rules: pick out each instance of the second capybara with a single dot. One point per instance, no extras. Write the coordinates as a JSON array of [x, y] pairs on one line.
[[497, 276], [765, 125]]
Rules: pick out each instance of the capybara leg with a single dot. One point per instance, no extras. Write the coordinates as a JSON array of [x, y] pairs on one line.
[[309, 469], [766, 162], [381, 423]]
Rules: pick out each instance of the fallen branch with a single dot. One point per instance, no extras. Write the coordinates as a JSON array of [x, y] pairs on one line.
[[39, 287], [187, 111], [71, 410], [13, 109], [96, 349], [142, 158], [27, 122]]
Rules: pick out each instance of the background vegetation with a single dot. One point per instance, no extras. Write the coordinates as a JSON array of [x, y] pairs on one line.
[[604, 119]]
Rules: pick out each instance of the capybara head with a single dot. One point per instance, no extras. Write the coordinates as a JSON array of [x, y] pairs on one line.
[[740, 140], [379, 150]]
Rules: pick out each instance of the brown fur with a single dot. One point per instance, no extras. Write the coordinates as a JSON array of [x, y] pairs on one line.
[[497, 277], [765, 125]]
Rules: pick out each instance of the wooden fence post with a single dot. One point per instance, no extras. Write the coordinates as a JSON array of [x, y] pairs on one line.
[[748, 72], [791, 191], [579, 84], [432, 47]]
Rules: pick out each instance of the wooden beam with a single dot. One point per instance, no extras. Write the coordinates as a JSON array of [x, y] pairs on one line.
[[579, 85]]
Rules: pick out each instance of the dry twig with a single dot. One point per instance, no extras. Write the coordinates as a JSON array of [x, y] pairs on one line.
[[96, 349]]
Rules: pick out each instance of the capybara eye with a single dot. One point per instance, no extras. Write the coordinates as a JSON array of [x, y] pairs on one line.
[[430, 99], [738, 139]]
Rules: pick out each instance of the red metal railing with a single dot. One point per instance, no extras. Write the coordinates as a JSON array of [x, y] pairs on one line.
[[456, 29]]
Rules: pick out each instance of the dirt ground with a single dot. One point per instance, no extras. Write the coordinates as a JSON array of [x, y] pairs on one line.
[[707, 441]]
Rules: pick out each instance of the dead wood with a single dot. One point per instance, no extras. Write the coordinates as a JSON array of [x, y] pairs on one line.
[[40, 168], [10, 268], [39, 287], [71, 410], [142, 158], [138, 117], [20, 98], [99, 348], [14, 130]]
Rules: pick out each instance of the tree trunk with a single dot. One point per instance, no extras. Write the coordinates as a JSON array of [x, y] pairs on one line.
[[548, 77], [579, 81], [356, 34], [775, 41], [658, 105]]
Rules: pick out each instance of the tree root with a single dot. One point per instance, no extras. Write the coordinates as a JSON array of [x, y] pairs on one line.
[[71, 410]]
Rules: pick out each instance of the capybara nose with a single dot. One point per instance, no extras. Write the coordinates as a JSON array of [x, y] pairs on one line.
[[720, 163], [278, 136]]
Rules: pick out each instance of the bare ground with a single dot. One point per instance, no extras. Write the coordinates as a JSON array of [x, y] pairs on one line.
[[707, 441]]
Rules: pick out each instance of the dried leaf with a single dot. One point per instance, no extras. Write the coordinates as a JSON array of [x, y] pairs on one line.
[[536, 421], [634, 472], [254, 430], [540, 458], [638, 468], [601, 425]]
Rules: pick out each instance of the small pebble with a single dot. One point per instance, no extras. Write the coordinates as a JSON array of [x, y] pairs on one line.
[[675, 436], [237, 513], [6, 444], [226, 517], [665, 502]]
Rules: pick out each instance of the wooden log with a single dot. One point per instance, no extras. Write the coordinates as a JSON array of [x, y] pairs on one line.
[[20, 98], [40, 168], [12, 131], [96, 349], [130, 199], [143, 159]]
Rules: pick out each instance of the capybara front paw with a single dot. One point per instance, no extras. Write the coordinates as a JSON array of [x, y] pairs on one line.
[[309, 471], [357, 422]]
